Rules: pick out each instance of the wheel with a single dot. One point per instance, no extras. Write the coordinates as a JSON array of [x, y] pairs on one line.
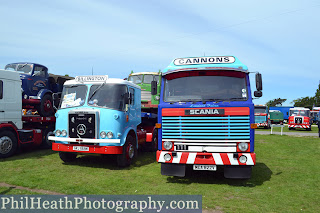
[[153, 145], [129, 152], [45, 109], [45, 134], [309, 129], [8, 144], [67, 156], [290, 128], [319, 132]]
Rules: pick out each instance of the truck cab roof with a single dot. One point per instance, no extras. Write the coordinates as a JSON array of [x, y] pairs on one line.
[[108, 81]]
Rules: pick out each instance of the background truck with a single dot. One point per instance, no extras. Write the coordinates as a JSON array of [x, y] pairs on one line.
[[284, 110], [17, 130], [206, 117], [102, 116], [149, 102], [261, 116], [37, 86], [299, 117], [275, 117], [314, 115]]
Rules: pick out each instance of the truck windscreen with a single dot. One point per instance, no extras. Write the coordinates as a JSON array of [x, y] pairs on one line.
[[205, 88], [260, 110], [109, 96], [299, 113], [73, 96]]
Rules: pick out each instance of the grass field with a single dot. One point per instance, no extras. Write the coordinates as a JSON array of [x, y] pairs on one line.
[[314, 129], [285, 179]]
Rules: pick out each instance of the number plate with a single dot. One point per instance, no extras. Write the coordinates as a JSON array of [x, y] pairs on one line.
[[205, 167], [81, 148]]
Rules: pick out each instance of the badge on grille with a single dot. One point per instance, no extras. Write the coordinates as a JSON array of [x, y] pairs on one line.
[[81, 129]]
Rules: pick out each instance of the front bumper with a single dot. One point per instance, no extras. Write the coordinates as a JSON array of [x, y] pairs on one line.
[[83, 140], [206, 158], [92, 148], [301, 126]]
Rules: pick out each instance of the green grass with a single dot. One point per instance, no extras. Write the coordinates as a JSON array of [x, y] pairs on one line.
[[314, 129], [285, 179]]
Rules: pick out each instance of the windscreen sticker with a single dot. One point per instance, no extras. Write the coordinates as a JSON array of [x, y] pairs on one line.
[[244, 93], [69, 100]]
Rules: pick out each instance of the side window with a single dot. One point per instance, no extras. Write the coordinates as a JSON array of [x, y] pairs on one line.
[[131, 92], [40, 71], [1, 89]]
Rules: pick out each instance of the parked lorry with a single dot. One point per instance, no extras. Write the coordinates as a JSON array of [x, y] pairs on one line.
[[37, 86], [261, 116], [299, 117], [206, 117], [284, 110], [17, 130], [275, 117], [314, 115], [102, 115], [149, 102]]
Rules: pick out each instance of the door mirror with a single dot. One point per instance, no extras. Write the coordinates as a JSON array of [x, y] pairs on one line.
[[154, 87], [126, 98], [258, 81], [56, 97], [257, 94]]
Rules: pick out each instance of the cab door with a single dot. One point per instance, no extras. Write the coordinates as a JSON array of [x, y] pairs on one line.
[[39, 79], [1, 102]]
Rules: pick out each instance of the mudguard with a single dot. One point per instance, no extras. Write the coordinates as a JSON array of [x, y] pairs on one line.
[[43, 92], [125, 134]]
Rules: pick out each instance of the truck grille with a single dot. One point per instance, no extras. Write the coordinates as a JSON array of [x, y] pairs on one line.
[[206, 128], [298, 120], [260, 119], [145, 95], [82, 125]]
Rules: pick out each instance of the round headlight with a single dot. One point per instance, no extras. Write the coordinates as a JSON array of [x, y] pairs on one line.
[[167, 157], [167, 145], [64, 133], [58, 133], [243, 159], [243, 147], [110, 135], [157, 98], [103, 134], [25, 96]]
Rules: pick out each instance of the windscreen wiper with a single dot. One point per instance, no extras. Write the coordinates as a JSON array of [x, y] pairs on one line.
[[94, 92]]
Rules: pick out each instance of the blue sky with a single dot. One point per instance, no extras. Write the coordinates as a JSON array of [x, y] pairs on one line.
[[280, 39]]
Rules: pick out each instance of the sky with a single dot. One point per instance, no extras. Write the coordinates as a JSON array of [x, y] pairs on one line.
[[279, 39]]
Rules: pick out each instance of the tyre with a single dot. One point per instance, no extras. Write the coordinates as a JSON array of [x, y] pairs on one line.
[[290, 128], [319, 132], [45, 134], [67, 156], [309, 129], [129, 152], [8, 144], [46, 107]]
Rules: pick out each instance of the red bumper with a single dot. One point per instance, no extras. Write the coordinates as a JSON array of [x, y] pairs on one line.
[[207, 158], [92, 148], [302, 126]]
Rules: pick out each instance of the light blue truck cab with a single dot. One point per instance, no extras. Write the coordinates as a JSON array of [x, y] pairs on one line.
[[261, 116], [99, 115], [206, 117]]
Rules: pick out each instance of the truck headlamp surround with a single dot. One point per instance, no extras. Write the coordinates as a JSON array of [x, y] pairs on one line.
[[167, 145], [243, 146], [110, 135], [103, 134], [57, 133], [167, 157], [64, 133], [243, 159]]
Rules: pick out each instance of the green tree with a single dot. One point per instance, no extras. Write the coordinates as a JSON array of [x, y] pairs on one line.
[[307, 102], [275, 102]]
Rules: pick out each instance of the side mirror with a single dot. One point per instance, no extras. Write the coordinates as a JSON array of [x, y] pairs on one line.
[[126, 98], [257, 94], [56, 97], [258, 81], [154, 87]]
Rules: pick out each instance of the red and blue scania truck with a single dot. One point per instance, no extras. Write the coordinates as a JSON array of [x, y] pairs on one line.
[[206, 116]]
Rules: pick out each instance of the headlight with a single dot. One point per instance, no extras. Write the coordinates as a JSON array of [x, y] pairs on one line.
[[157, 98], [243, 159], [58, 132], [167, 145], [64, 133], [103, 134], [25, 96], [167, 157], [110, 135], [243, 147]]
